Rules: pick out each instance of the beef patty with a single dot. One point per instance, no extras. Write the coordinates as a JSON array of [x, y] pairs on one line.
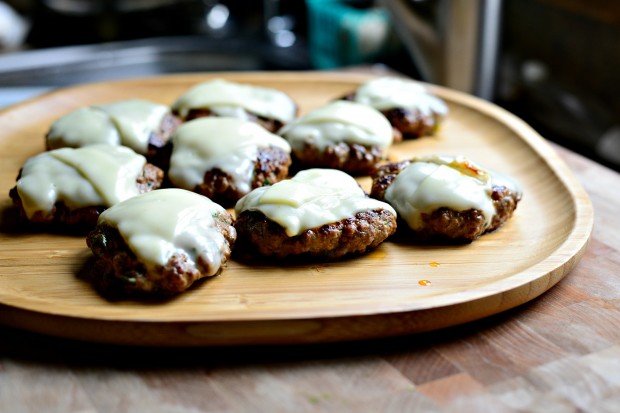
[[445, 222], [150, 178], [350, 236]]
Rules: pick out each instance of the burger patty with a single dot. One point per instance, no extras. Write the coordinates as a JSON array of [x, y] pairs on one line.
[[272, 125], [411, 124], [158, 150], [408, 124], [457, 225], [271, 166], [445, 222], [151, 178], [117, 268], [354, 159], [350, 236]]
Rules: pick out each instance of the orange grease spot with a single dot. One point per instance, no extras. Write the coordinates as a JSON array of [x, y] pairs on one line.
[[433, 264], [424, 283]]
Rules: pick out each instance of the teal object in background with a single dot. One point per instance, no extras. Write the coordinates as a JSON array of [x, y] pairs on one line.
[[344, 33]]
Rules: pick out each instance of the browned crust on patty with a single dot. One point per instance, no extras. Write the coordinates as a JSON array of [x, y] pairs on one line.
[[271, 166], [407, 123], [352, 158], [384, 176], [150, 178], [351, 236], [448, 223], [117, 269], [505, 202], [456, 225], [412, 124]]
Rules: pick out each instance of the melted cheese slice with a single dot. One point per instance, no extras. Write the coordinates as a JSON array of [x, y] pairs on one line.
[[136, 120], [311, 199], [389, 93], [90, 176], [128, 122], [225, 98], [228, 144], [85, 126], [431, 183], [160, 224], [340, 121]]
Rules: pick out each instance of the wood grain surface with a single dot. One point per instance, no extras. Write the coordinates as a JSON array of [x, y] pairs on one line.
[[378, 295]]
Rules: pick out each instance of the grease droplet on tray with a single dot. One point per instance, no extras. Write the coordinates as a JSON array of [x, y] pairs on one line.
[[424, 283]]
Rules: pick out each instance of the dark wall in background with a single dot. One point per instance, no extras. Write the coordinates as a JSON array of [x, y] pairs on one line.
[[560, 61]]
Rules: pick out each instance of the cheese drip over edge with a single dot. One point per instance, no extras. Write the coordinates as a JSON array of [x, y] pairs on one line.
[[89, 176], [434, 182], [170, 222], [228, 144], [225, 98]]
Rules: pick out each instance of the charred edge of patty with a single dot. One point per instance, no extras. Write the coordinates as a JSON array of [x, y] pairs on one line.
[[271, 166], [407, 123], [352, 158], [447, 223], [272, 125], [150, 178], [351, 236], [118, 270]]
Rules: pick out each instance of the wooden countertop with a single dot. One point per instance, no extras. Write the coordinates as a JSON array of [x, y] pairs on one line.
[[560, 352]]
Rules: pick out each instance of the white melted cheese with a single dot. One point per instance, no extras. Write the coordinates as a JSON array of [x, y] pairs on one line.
[[340, 121], [228, 144], [389, 93], [311, 199], [90, 176], [230, 112], [167, 222], [136, 120], [435, 182], [222, 96], [127, 122], [85, 126]]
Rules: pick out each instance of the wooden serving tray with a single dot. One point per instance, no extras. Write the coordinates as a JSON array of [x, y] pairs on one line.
[[384, 293]]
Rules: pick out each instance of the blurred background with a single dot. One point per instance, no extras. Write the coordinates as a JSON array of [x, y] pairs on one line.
[[554, 63]]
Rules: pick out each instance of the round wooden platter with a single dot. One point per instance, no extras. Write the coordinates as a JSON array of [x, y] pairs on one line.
[[400, 288]]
